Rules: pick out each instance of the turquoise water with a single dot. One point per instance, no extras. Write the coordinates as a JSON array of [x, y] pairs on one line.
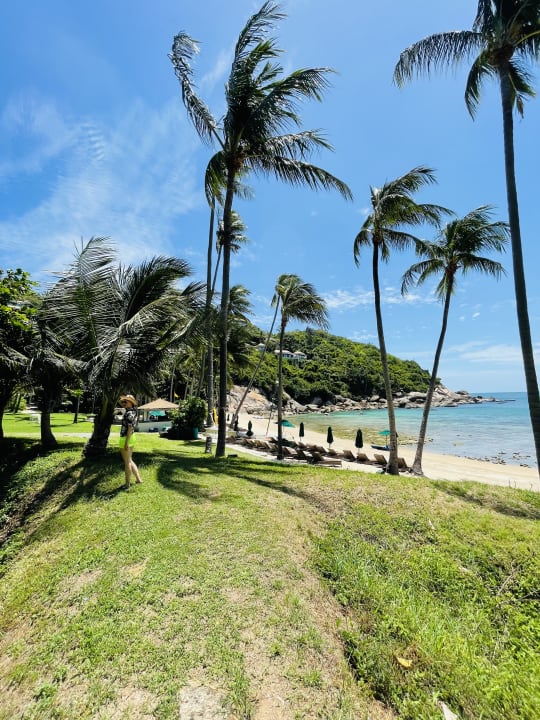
[[491, 430]]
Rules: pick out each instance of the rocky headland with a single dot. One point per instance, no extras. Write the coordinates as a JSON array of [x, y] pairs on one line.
[[257, 404]]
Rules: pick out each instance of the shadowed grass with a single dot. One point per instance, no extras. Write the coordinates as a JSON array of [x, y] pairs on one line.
[[115, 601]]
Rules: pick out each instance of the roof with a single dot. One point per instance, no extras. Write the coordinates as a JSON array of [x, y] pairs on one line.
[[158, 404]]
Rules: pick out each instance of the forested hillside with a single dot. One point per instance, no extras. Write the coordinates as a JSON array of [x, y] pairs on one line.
[[334, 366]]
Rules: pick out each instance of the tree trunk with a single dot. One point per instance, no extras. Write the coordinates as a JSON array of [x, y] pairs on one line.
[[224, 315], [517, 259], [48, 441], [280, 393], [417, 464], [392, 467], [257, 368], [209, 334], [97, 444]]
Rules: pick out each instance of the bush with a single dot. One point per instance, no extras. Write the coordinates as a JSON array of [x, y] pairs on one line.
[[191, 414]]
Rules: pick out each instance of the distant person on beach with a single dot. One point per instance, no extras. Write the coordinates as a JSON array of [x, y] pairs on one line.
[[127, 438]]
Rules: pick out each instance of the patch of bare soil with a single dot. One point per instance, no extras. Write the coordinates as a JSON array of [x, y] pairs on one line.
[[201, 702]]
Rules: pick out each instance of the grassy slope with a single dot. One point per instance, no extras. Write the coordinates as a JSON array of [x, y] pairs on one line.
[[125, 605]]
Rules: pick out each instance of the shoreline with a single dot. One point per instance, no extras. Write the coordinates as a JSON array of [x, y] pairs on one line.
[[436, 466]]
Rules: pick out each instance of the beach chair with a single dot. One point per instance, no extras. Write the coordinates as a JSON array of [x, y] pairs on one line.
[[319, 459], [361, 457], [348, 455], [332, 453], [402, 465], [380, 460]]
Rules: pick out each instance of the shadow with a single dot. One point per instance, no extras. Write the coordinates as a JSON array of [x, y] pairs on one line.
[[524, 504], [264, 473]]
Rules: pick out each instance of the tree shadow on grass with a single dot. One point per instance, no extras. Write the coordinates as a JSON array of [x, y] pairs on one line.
[[271, 475], [523, 504]]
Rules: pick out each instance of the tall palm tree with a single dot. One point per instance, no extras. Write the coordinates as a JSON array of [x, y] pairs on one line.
[[393, 207], [455, 251], [504, 37], [254, 136], [298, 300], [124, 321]]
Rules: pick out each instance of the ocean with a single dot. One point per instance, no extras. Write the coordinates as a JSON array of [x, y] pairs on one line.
[[496, 431]]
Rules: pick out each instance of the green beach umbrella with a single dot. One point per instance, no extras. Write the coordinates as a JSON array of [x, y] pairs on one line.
[[286, 423]]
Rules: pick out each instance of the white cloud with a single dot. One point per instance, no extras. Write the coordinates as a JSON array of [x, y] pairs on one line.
[[346, 300], [129, 181]]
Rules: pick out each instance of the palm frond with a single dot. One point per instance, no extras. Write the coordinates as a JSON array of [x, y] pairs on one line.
[[435, 52], [257, 27], [480, 69], [296, 172], [184, 48]]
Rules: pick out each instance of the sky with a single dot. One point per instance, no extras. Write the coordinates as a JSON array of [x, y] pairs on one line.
[[95, 141]]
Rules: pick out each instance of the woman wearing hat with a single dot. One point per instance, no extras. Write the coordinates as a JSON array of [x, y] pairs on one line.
[[127, 437]]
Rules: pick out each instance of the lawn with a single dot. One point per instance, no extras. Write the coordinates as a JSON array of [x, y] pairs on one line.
[[258, 590]]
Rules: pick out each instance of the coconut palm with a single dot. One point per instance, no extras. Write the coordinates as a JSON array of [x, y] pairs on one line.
[[254, 136], [504, 37], [297, 300], [456, 250], [393, 207], [124, 321]]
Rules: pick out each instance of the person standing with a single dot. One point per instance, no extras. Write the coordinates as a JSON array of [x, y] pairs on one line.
[[127, 438]]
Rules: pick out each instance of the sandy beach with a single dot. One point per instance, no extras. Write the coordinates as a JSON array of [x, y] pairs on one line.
[[436, 467]]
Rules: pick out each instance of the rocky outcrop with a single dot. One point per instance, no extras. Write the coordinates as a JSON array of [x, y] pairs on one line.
[[257, 404]]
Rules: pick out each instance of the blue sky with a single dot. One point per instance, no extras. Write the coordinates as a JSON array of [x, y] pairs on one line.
[[94, 140]]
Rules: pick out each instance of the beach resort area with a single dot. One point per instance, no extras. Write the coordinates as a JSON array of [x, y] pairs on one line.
[[435, 466]]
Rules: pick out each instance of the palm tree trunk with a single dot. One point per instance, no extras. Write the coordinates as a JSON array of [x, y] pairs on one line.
[[97, 444], [280, 393], [224, 314], [48, 441], [517, 260], [209, 334], [257, 368], [392, 467], [417, 464]]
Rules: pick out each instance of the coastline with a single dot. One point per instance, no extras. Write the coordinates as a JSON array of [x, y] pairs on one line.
[[435, 466]]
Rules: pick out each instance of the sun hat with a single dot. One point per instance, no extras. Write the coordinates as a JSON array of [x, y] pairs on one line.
[[129, 398]]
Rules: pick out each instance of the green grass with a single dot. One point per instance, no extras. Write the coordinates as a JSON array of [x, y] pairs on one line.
[[298, 592]]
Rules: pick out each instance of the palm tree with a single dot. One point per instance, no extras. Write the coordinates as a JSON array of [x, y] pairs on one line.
[[298, 301], [254, 136], [505, 35], [124, 321], [393, 207], [456, 250]]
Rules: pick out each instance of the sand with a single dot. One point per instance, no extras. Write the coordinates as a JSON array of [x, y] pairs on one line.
[[436, 467]]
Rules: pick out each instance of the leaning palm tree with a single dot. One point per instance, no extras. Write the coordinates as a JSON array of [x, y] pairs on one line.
[[455, 251], [393, 207], [505, 36], [254, 136], [298, 300], [124, 321]]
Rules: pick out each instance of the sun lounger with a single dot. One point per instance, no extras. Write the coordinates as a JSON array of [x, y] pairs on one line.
[[348, 455], [363, 458], [380, 460], [319, 459], [402, 465]]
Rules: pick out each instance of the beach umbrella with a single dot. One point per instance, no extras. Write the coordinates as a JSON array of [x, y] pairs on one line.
[[286, 423], [384, 432], [301, 431], [329, 436], [235, 426], [249, 429], [359, 442]]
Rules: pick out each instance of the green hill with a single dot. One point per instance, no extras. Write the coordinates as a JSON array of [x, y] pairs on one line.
[[334, 366]]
